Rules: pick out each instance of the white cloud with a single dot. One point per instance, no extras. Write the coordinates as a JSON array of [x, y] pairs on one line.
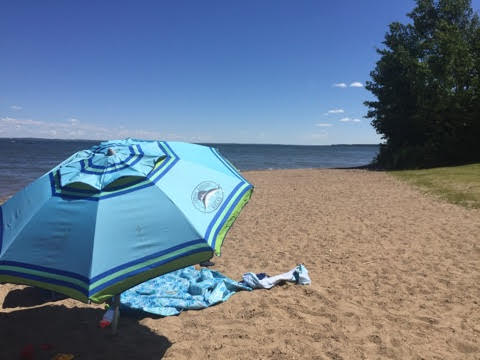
[[356, 84], [347, 119], [340, 85], [324, 125], [19, 122], [16, 107], [75, 129], [334, 111]]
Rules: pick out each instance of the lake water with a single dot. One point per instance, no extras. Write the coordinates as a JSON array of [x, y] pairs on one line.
[[24, 160]]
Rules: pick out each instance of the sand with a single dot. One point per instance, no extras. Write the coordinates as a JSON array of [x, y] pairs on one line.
[[395, 275]]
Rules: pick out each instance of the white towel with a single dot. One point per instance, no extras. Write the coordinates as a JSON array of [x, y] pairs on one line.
[[297, 275]]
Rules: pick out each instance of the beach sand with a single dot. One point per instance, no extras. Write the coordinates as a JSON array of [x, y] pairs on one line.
[[395, 275]]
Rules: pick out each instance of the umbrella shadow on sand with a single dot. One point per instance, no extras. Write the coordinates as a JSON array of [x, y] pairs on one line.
[[76, 331], [30, 296]]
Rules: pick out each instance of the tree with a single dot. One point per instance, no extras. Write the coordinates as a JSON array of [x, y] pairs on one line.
[[427, 86]]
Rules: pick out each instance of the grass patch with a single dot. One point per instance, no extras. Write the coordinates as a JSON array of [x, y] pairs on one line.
[[456, 184]]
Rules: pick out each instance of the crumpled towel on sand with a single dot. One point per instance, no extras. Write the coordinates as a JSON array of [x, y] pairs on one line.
[[191, 289], [297, 275]]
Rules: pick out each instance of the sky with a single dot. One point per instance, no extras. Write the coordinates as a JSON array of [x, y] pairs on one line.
[[277, 72]]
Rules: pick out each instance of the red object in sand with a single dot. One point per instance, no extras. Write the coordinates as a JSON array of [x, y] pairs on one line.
[[27, 352]]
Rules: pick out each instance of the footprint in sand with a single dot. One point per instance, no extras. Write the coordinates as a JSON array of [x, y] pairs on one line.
[[464, 347]]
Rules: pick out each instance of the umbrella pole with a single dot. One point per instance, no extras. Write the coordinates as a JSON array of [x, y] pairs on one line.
[[116, 315]]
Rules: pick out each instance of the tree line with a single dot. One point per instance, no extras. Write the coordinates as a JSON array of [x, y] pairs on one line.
[[427, 88]]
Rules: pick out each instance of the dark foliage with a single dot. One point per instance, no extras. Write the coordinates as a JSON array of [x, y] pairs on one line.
[[427, 85]]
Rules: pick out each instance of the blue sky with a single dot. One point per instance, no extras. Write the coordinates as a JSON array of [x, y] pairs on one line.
[[202, 71]]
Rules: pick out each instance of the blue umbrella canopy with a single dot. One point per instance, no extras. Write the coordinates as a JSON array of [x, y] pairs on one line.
[[118, 214]]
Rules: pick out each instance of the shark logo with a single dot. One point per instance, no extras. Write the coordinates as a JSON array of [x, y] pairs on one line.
[[207, 196]]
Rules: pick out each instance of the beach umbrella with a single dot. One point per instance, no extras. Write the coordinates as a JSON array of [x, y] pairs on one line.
[[118, 214]]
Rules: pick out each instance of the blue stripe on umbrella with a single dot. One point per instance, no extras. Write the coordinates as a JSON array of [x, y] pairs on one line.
[[170, 148], [85, 171], [91, 198], [114, 165], [103, 275], [145, 258], [46, 269], [227, 215], [46, 280], [219, 212], [146, 268], [165, 171]]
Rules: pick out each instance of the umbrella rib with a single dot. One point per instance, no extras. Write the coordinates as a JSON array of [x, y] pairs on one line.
[[227, 164], [200, 236], [93, 245]]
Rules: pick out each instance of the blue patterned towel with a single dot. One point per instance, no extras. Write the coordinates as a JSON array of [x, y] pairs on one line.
[[191, 289]]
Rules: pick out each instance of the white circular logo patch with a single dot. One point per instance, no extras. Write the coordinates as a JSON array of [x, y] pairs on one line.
[[207, 196]]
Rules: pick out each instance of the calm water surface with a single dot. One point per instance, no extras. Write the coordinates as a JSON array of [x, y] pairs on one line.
[[24, 160]]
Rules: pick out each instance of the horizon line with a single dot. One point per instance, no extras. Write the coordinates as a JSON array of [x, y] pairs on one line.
[[200, 143]]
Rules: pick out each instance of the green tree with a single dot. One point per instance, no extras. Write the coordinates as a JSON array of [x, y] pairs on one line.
[[427, 86]]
